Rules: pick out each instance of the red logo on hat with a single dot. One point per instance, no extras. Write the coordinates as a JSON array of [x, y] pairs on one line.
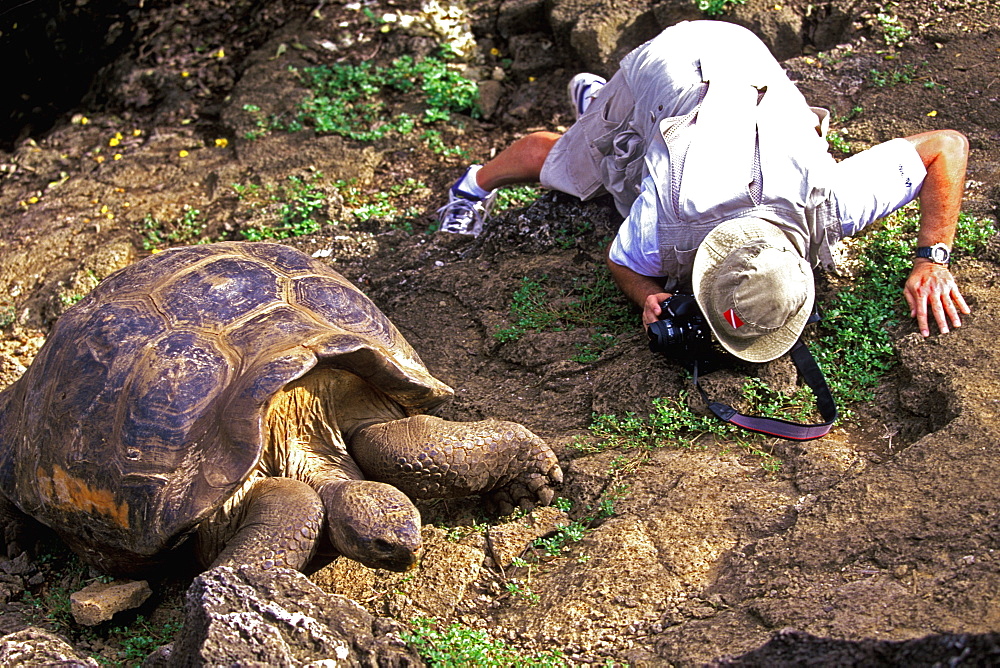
[[733, 319]]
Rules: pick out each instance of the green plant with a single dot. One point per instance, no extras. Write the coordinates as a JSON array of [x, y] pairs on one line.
[[514, 196], [593, 304], [898, 75], [141, 637], [185, 230], [461, 647], [837, 142], [380, 205], [261, 125], [559, 541], [893, 32], [530, 309], [353, 101], [52, 606], [521, 590], [128, 644], [972, 235], [717, 7], [436, 144], [849, 116], [8, 314], [672, 423], [291, 209], [49, 603], [796, 407]]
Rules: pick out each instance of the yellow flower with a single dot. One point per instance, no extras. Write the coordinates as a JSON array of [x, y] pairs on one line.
[[222, 142], [185, 74], [99, 159], [220, 53], [32, 200], [182, 153], [932, 113], [84, 120], [104, 209], [494, 51], [117, 156], [114, 141], [137, 132], [531, 79]]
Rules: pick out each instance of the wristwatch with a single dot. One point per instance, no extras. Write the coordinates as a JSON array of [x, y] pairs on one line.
[[938, 253]]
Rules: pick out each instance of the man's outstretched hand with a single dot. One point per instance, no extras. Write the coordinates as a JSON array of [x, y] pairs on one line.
[[932, 289]]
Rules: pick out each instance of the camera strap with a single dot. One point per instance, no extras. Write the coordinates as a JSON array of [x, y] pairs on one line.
[[811, 373]]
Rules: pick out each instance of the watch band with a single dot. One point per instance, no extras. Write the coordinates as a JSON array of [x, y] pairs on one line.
[[938, 253]]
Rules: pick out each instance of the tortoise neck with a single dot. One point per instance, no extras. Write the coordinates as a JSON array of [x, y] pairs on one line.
[[327, 406]]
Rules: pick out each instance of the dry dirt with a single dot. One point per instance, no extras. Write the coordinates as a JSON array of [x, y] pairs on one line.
[[885, 530]]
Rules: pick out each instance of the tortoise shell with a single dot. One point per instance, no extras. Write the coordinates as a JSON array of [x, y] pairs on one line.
[[144, 410]]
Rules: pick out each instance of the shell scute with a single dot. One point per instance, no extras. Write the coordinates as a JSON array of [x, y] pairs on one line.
[[174, 386], [338, 304], [271, 331], [218, 292], [287, 259]]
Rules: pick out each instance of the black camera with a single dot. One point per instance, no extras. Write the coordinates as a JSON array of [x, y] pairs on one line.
[[681, 332]]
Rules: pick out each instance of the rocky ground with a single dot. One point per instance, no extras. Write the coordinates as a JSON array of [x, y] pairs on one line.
[[874, 544]]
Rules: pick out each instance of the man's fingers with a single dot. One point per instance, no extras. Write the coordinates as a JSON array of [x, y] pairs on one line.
[[651, 309], [956, 295], [922, 317], [933, 292], [937, 306], [911, 302], [953, 303]]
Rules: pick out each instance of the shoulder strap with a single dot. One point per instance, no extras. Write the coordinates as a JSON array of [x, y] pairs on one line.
[[811, 373]]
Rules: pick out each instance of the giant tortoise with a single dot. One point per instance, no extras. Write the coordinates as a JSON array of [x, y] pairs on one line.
[[250, 396]]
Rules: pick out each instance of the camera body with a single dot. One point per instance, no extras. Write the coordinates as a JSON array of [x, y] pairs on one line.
[[681, 333]]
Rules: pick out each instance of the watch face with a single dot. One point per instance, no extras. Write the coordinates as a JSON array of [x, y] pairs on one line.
[[938, 253]]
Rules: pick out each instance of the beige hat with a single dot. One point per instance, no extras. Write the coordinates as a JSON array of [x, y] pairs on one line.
[[754, 288]]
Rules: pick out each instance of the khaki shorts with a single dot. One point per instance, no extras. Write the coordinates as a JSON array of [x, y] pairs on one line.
[[573, 165]]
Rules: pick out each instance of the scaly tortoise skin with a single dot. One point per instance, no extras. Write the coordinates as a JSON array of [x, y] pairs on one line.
[[248, 395]]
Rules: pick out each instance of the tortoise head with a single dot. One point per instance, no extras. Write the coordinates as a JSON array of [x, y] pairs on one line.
[[372, 523]]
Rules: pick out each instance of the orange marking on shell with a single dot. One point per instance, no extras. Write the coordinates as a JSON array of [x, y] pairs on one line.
[[63, 490]]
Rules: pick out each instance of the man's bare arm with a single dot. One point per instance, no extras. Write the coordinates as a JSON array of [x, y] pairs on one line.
[[644, 291], [931, 288]]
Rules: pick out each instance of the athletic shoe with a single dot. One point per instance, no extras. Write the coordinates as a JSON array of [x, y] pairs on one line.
[[465, 213], [582, 89]]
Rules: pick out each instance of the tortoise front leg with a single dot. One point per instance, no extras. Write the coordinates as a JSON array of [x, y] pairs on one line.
[[277, 524], [428, 457]]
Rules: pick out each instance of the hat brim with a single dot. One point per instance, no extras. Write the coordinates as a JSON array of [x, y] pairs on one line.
[[719, 243]]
